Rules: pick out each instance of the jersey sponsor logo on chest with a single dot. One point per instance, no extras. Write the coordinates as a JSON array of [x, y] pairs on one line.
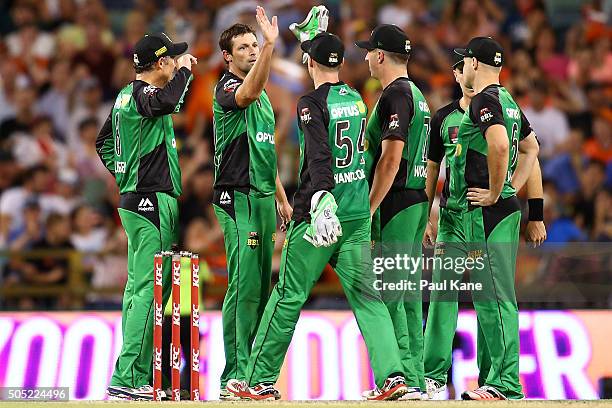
[[513, 113], [264, 137], [423, 107], [344, 111]]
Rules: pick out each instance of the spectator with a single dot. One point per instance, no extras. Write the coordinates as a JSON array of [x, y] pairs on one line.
[[600, 146], [548, 122], [66, 195], [602, 230], [23, 118], [592, 179], [560, 227], [89, 104], [31, 231], [46, 269], [564, 170], [89, 232], [39, 146], [96, 55], [28, 45], [12, 202], [57, 101]]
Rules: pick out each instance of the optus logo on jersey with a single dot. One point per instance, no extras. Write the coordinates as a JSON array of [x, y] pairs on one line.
[[344, 111], [513, 113], [264, 137]]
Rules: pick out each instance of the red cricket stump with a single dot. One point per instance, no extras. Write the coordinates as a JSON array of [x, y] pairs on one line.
[[157, 328], [175, 345], [195, 328]]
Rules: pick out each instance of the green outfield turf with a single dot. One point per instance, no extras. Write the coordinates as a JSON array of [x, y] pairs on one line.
[[317, 404]]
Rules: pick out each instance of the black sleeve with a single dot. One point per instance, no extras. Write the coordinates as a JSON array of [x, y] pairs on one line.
[[525, 127], [486, 111], [313, 123], [395, 114], [152, 101], [225, 92], [105, 144], [436, 142]]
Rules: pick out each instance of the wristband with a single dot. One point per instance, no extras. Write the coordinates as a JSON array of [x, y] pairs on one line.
[[536, 209]]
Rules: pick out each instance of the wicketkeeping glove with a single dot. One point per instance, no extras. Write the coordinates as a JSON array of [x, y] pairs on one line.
[[324, 228], [316, 22]]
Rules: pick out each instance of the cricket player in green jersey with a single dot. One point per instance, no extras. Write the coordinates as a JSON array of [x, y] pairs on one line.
[[246, 184], [450, 242], [330, 224], [138, 147], [396, 158], [492, 133]]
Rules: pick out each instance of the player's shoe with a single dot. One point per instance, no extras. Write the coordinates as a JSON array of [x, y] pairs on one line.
[[315, 22], [413, 394], [433, 387], [225, 395], [260, 392], [144, 393], [393, 389], [484, 393]]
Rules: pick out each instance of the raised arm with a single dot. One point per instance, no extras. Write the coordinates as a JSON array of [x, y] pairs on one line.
[[256, 79]]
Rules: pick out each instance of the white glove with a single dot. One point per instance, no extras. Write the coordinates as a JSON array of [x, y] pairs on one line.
[[324, 228]]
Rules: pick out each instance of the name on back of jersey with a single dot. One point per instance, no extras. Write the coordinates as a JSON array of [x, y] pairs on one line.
[[349, 176]]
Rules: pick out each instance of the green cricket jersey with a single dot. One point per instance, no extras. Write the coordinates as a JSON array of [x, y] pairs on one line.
[[332, 122], [400, 113], [137, 144], [442, 142], [492, 106], [245, 157]]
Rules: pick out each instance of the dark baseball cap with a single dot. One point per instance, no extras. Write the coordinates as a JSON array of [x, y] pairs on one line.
[[152, 47], [485, 50], [325, 48], [387, 37], [457, 60]]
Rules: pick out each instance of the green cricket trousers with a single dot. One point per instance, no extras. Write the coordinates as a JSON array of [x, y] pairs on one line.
[[301, 267], [397, 229], [493, 233], [151, 223], [248, 221]]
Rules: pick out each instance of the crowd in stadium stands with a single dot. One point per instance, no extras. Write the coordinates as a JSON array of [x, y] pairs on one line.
[[63, 61]]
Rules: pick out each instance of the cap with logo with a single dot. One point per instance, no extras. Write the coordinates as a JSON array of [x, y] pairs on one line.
[[152, 47], [387, 37], [457, 60], [484, 49], [325, 48]]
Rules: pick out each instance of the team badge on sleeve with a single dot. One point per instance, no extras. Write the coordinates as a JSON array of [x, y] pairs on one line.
[[305, 116], [150, 90], [231, 85], [394, 121], [485, 115]]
